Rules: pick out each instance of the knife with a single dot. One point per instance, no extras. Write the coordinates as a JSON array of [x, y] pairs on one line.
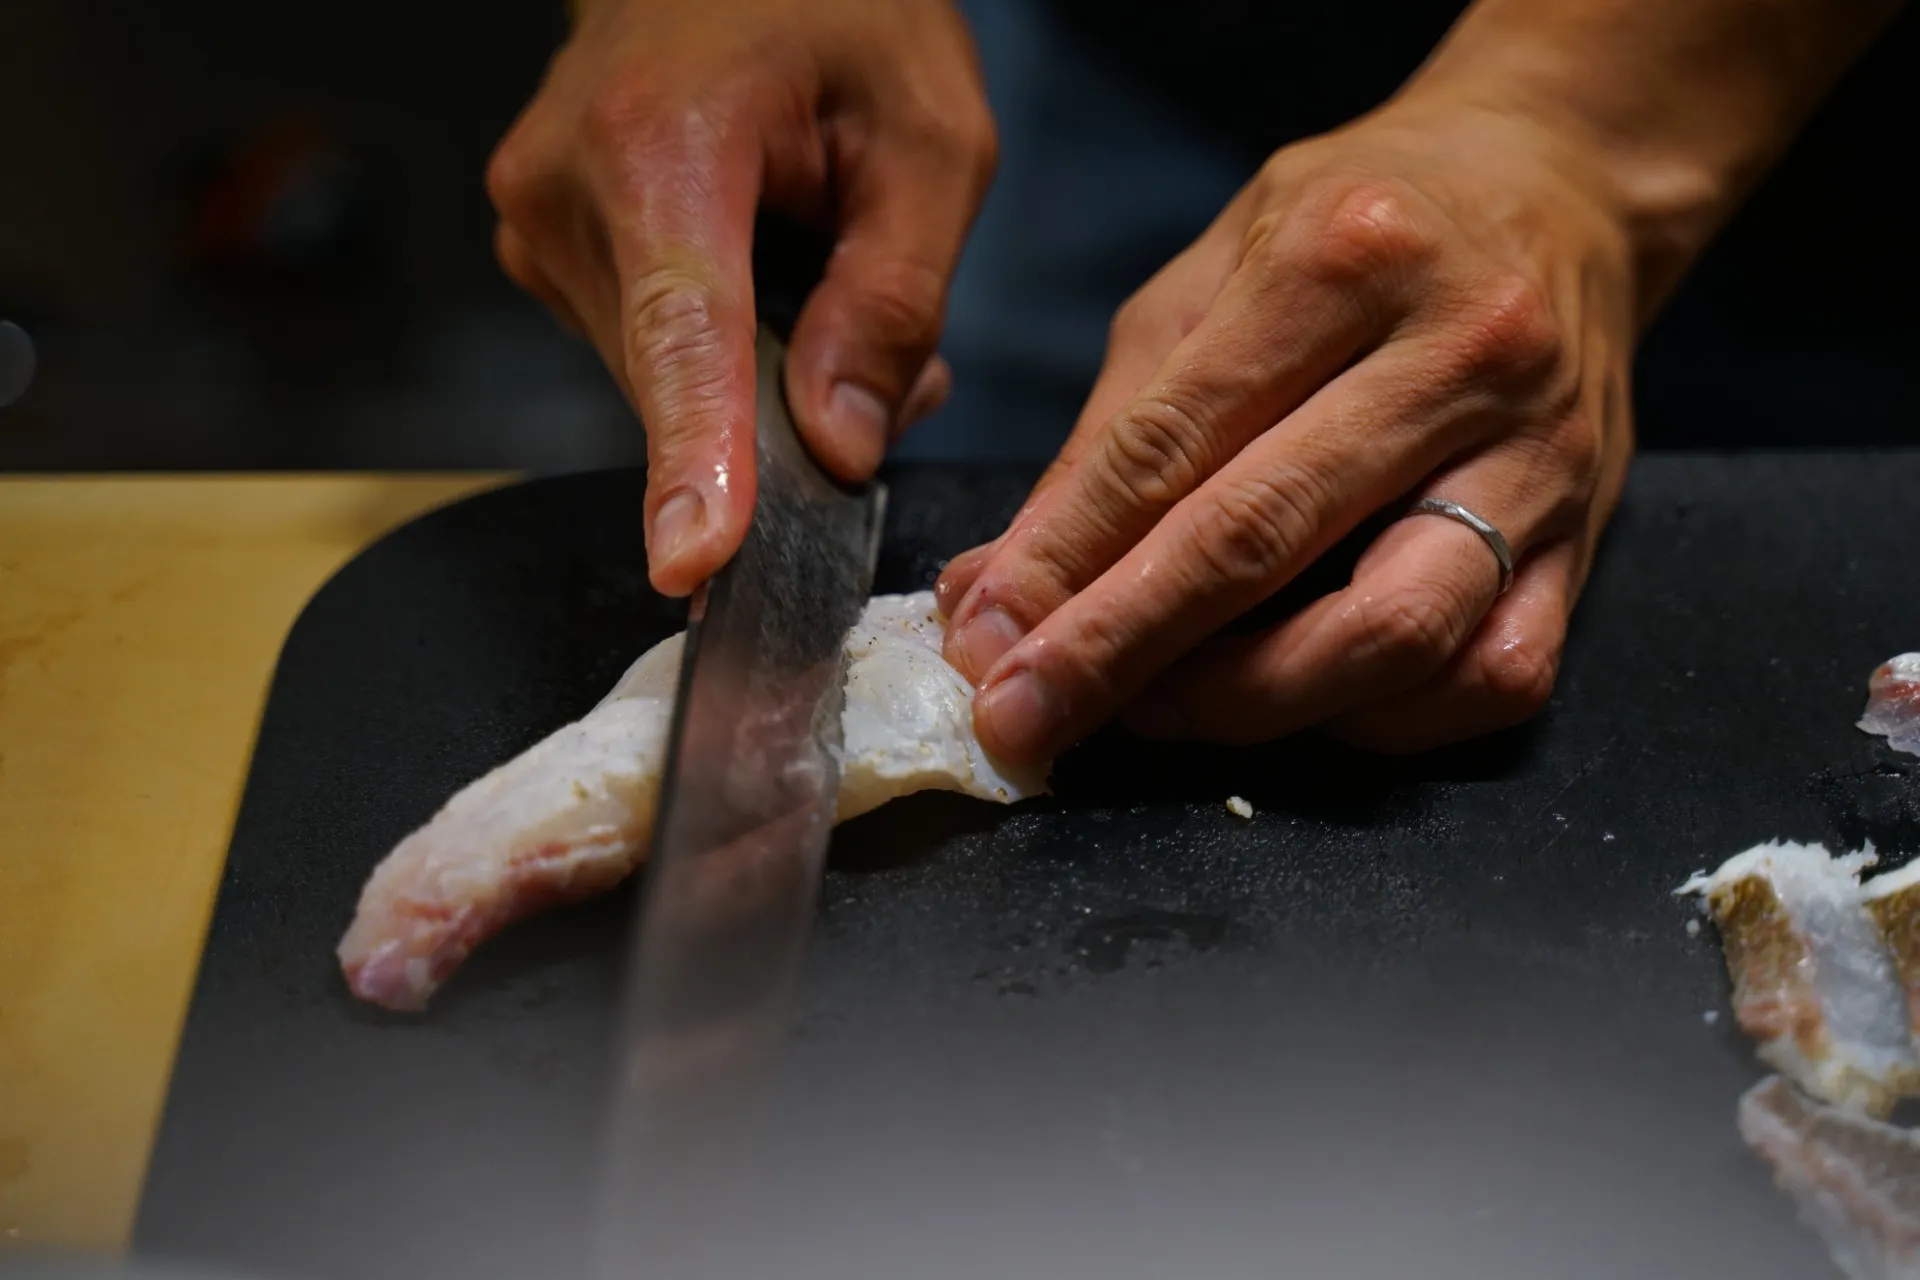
[[739, 847]]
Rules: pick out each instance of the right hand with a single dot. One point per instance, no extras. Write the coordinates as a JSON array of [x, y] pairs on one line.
[[627, 193]]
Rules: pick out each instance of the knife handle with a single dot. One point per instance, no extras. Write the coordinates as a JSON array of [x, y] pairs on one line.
[[789, 260]]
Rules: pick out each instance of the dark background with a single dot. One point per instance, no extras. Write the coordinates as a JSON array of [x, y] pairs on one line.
[[254, 235]]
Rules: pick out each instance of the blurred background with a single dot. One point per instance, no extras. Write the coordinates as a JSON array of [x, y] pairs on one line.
[[255, 236]]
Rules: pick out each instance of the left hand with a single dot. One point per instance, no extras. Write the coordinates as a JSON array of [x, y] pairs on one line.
[[1436, 301]]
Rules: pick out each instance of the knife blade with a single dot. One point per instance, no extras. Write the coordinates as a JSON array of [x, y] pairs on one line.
[[739, 848]]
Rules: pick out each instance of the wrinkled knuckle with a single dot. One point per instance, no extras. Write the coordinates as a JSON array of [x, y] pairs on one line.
[[1369, 227], [672, 340], [1520, 678], [1153, 455], [1251, 532], [1418, 628]]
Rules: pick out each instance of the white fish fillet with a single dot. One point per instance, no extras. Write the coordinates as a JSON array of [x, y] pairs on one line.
[[1813, 980], [1893, 900], [570, 817], [1856, 1181], [1893, 703]]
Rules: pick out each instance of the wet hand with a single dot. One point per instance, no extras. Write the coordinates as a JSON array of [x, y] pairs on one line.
[[627, 193], [1434, 302]]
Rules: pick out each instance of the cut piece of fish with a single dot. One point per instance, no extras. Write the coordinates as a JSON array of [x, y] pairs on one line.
[[571, 816], [1856, 1181], [1893, 703], [1813, 980], [1893, 900]]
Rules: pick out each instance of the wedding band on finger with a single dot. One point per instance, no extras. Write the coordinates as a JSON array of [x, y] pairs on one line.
[[1495, 541]]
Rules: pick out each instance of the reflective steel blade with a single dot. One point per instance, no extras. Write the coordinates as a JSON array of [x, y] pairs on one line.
[[746, 808]]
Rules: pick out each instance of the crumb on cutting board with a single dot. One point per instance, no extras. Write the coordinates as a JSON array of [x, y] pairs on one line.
[[1239, 807]]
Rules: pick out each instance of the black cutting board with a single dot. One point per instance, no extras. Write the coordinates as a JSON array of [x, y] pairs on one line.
[[1437, 1017]]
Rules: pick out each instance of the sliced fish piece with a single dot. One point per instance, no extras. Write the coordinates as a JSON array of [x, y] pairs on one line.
[[1856, 1181], [571, 816], [1893, 703], [1893, 900], [1813, 981]]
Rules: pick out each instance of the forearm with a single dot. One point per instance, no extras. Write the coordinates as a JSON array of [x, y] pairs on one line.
[[1680, 104]]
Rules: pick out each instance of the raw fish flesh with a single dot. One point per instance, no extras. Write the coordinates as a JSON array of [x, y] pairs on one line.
[[1856, 1181], [1893, 703], [571, 816], [1813, 981], [1893, 900]]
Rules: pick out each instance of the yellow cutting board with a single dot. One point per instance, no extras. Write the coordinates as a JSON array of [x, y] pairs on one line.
[[139, 622]]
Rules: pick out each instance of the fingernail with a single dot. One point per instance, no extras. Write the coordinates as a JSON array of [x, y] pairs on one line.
[[985, 637], [860, 419], [678, 526], [1024, 716]]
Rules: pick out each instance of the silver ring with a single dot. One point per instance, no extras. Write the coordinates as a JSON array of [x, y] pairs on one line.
[[1488, 534]]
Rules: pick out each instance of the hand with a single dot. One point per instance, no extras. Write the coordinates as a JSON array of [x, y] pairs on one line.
[[627, 193], [1435, 301]]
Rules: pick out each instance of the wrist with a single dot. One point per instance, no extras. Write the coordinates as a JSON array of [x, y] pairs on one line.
[[1665, 194], [1670, 112]]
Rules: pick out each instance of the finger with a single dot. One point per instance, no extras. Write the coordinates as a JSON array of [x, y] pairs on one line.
[[1145, 331], [1417, 595], [870, 327], [517, 259], [550, 240], [930, 391], [1503, 677], [1303, 304], [958, 576], [1364, 440], [679, 191]]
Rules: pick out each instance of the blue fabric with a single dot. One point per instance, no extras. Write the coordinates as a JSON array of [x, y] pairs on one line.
[[1098, 187]]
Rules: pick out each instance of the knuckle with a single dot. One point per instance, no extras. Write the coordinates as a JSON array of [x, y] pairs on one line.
[[979, 143], [673, 343], [1512, 333], [1154, 454], [1250, 533], [1519, 679], [521, 180], [509, 178], [1418, 627], [1361, 228]]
